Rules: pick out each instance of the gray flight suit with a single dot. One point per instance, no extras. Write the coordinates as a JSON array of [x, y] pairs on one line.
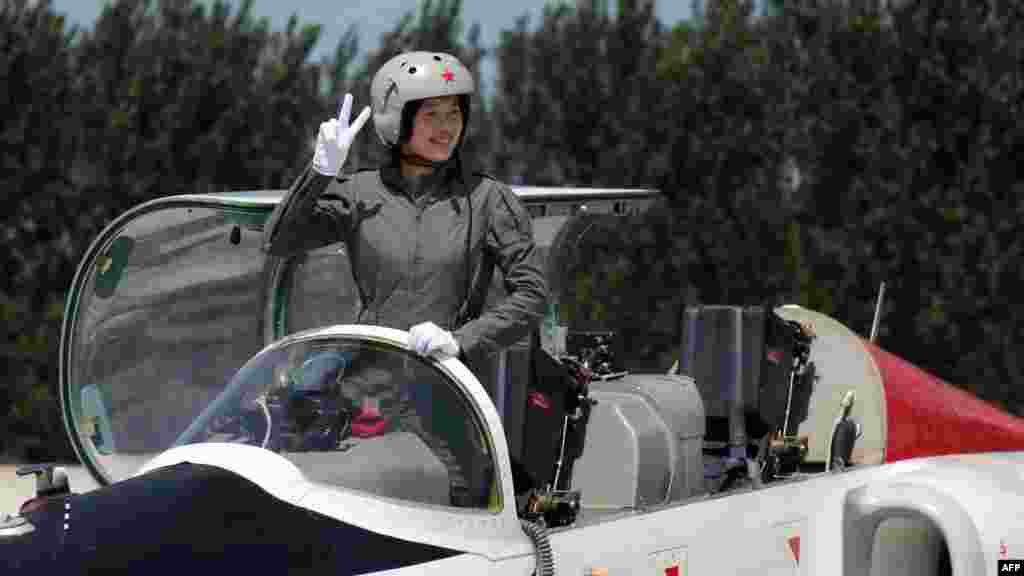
[[407, 244], [408, 250]]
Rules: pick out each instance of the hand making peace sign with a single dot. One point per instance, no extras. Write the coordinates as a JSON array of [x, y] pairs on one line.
[[335, 139]]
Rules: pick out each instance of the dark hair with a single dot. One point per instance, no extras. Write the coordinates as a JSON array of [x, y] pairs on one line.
[[409, 113]]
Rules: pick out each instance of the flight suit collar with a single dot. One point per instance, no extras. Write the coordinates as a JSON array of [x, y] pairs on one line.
[[436, 186]]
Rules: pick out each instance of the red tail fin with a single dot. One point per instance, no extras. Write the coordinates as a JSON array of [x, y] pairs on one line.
[[926, 416]]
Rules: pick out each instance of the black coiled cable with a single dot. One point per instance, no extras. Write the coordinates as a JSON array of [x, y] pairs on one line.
[[542, 548]]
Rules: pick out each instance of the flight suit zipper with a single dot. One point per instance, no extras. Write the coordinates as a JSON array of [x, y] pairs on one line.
[[416, 282]]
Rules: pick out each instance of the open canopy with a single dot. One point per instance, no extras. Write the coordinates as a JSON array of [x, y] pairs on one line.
[[176, 296], [169, 320], [167, 305]]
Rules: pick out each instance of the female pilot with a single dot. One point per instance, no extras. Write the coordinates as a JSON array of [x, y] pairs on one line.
[[423, 234]]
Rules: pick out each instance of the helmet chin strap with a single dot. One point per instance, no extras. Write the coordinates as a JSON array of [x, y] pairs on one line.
[[417, 160]]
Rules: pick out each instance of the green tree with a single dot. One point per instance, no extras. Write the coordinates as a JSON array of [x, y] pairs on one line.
[[725, 80], [578, 96], [905, 122], [157, 98], [181, 100], [35, 151]]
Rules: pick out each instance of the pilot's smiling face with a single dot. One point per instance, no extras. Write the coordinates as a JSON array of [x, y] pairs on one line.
[[436, 128]]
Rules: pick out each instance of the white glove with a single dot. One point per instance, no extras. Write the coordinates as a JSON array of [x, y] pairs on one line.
[[429, 338], [335, 139]]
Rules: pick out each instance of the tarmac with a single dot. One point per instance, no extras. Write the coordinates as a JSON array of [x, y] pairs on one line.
[[14, 490]]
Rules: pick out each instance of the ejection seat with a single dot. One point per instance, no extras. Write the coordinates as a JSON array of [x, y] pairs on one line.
[[551, 421], [755, 376], [596, 439]]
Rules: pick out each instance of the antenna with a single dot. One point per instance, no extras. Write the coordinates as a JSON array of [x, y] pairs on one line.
[[878, 313]]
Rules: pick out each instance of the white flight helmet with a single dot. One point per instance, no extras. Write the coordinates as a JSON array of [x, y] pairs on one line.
[[413, 76]]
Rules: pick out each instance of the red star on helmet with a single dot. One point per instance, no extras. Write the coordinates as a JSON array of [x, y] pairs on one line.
[[448, 76]]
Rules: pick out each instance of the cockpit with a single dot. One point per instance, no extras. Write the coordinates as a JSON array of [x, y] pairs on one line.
[[357, 415], [180, 330], [174, 335]]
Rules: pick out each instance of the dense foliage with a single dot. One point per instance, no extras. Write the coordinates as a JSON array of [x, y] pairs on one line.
[[157, 99], [805, 155]]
